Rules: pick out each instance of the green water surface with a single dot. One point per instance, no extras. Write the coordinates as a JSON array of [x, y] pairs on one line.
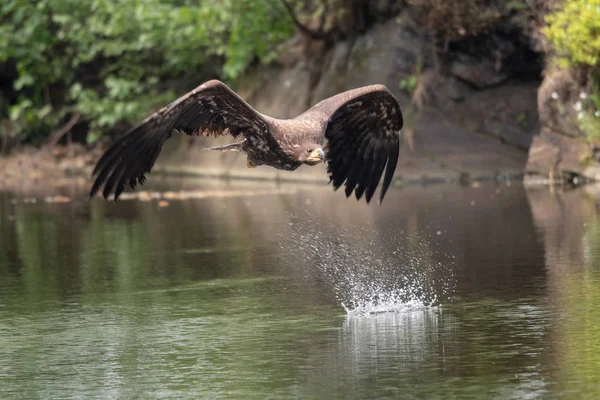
[[441, 292]]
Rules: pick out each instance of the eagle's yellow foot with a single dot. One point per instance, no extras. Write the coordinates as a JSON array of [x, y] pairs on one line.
[[249, 164]]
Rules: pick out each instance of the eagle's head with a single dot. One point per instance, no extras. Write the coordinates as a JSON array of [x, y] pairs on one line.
[[311, 154]]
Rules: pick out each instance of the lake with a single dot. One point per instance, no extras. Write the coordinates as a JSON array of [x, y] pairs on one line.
[[256, 291]]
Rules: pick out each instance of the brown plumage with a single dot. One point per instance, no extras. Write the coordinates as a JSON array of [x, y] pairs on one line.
[[361, 128]]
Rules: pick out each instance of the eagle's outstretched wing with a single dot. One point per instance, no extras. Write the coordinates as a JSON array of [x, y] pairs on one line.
[[363, 135], [210, 109]]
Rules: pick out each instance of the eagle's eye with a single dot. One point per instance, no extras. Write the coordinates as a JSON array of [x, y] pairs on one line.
[[308, 151]]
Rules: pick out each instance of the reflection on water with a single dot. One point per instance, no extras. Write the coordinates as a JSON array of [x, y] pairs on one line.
[[572, 257], [442, 291]]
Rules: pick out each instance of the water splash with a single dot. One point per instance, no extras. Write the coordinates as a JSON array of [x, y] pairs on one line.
[[368, 275], [385, 302], [379, 291]]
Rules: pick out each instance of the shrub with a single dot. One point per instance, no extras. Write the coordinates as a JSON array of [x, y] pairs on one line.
[[574, 30], [111, 60]]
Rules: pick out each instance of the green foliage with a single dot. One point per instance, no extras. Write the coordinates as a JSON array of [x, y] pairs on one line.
[[516, 5], [574, 30], [256, 30], [409, 84], [112, 60]]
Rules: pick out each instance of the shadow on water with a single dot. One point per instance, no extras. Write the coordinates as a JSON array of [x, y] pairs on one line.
[[441, 291]]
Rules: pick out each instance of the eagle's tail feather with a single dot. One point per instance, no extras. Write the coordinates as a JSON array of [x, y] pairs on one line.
[[227, 147]]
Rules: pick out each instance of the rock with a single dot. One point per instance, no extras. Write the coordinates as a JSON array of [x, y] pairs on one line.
[[281, 93], [480, 129], [553, 154], [457, 90], [388, 53], [556, 95], [480, 74], [507, 113], [562, 149]]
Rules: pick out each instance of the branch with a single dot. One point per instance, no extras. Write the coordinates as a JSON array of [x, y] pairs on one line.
[[57, 134], [323, 16], [7, 130], [315, 35]]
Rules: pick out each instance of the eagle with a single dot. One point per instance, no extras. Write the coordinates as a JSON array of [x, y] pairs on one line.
[[356, 133]]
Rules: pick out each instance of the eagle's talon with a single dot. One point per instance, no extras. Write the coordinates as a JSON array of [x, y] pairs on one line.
[[249, 164]]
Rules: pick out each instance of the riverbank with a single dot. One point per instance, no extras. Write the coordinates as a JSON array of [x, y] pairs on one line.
[[32, 171], [481, 93]]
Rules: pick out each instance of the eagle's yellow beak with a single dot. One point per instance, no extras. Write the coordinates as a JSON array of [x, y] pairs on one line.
[[316, 156]]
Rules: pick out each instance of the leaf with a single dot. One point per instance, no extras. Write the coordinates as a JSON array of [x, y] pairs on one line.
[[44, 111], [19, 109], [25, 79], [93, 136]]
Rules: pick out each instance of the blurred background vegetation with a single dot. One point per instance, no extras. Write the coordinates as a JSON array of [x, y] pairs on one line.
[[102, 64], [110, 61], [574, 31]]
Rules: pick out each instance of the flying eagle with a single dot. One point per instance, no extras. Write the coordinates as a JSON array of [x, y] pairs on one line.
[[361, 128]]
